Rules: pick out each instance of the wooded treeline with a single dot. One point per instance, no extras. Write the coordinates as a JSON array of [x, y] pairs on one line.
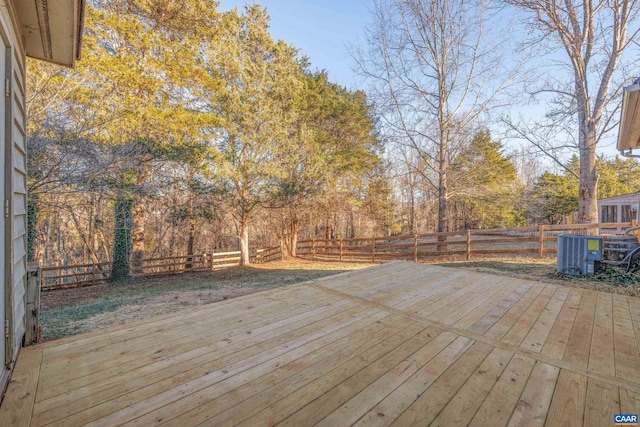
[[185, 129]]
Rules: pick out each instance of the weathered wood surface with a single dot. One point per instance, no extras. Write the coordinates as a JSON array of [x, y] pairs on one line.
[[538, 240], [69, 276], [396, 344]]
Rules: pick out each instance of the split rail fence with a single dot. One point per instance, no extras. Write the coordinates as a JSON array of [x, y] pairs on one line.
[[93, 273], [466, 244]]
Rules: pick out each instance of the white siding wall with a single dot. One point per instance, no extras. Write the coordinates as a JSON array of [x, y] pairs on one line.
[[19, 202], [618, 201], [14, 141]]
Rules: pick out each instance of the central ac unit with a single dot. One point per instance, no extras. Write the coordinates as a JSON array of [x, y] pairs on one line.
[[579, 255]]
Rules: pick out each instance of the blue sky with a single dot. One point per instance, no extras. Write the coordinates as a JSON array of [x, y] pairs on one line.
[[322, 30]]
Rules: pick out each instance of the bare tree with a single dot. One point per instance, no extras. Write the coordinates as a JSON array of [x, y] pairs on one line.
[[593, 34], [434, 69]]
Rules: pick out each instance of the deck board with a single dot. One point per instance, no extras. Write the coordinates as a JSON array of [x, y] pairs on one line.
[[396, 344]]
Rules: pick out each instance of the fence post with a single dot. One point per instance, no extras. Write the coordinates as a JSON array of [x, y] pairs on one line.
[[373, 250], [341, 246], [313, 249], [468, 244], [415, 248], [32, 307], [541, 241]]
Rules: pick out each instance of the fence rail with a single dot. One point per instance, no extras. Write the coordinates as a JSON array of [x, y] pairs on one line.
[[94, 273], [539, 241], [467, 244]]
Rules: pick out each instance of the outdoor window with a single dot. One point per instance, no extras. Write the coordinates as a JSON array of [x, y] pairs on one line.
[[626, 213], [609, 214]]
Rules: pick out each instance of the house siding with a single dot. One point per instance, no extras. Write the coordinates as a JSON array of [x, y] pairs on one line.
[[19, 202], [618, 202], [15, 168]]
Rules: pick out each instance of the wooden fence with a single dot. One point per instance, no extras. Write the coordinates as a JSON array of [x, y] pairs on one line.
[[467, 244], [87, 274]]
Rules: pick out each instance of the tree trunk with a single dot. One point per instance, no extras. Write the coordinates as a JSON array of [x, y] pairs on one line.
[[191, 242], [412, 213], [588, 196], [283, 236], [137, 234], [244, 240], [137, 237], [121, 237], [327, 234], [192, 234], [293, 238], [443, 225]]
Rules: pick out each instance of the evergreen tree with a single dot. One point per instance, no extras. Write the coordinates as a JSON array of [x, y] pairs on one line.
[[485, 188]]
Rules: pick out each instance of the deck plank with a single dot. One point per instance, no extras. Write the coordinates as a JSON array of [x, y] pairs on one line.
[[466, 402], [601, 357], [183, 370], [87, 370], [538, 334], [430, 403], [464, 306], [533, 405], [627, 356], [487, 305], [22, 387], [629, 402], [153, 396], [483, 324], [233, 407], [323, 405], [502, 326], [601, 403], [579, 344], [556, 342], [206, 403], [396, 344], [399, 346], [497, 408], [357, 406], [523, 325], [568, 403], [399, 399], [232, 338]]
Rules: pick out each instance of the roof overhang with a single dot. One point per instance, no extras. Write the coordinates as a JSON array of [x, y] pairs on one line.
[[51, 29], [629, 133]]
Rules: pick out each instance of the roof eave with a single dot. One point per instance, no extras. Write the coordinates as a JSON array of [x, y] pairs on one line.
[[51, 29], [629, 131]]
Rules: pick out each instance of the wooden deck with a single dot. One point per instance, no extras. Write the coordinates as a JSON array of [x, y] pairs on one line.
[[397, 344]]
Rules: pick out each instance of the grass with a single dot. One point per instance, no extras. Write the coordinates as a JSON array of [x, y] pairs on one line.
[[64, 321]]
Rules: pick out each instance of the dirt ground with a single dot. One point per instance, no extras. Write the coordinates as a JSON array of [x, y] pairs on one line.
[[73, 311]]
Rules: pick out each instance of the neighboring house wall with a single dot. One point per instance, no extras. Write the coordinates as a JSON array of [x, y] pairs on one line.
[[623, 208], [13, 180]]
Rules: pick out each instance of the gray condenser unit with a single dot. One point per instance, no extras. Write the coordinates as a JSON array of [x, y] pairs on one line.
[[579, 255]]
